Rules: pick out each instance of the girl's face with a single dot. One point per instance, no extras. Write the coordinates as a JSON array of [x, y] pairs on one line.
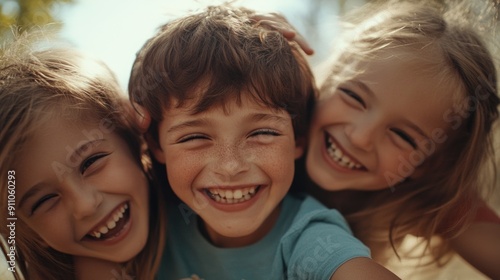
[[80, 189], [375, 129]]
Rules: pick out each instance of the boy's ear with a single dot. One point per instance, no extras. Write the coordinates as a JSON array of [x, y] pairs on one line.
[[142, 118], [300, 145], [154, 147], [143, 121]]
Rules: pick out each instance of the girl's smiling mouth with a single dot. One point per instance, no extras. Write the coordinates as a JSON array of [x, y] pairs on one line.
[[339, 156], [112, 226]]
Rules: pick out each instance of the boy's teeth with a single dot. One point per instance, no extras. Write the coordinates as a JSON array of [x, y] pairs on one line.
[[339, 157], [111, 223], [230, 196]]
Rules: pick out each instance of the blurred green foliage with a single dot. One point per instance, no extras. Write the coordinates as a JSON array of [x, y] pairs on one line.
[[22, 15]]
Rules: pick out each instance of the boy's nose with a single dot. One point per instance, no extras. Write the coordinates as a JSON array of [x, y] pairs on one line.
[[230, 162]]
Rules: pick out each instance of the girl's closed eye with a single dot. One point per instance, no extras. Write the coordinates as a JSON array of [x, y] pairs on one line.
[[88, 165], [46, 201], [354, 96], [405, 137]]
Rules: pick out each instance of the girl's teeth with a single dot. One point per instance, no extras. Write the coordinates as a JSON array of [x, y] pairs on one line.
[[337, 153], [111, 223], [104, 230], [339, 157]]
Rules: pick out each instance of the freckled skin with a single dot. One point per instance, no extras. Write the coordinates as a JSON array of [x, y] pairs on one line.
[[227, 150]]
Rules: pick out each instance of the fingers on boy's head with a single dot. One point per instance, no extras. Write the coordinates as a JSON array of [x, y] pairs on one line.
[[182, 63]]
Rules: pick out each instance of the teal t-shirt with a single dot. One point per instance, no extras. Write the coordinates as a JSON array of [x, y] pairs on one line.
[[308, 241]]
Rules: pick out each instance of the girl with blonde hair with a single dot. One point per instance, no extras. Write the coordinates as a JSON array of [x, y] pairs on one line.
[[74, 171], [401, 135]]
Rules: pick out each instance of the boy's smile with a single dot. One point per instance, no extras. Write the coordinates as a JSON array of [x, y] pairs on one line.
[[232, 195], [232, 164]]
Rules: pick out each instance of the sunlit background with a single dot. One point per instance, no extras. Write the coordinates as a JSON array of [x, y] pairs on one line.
[[115, 30]]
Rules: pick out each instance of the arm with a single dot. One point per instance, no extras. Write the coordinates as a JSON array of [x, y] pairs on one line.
[[480, 243], [362, 268]]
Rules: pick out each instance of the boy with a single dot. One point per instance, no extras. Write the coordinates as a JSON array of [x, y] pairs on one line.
[[227, 101]]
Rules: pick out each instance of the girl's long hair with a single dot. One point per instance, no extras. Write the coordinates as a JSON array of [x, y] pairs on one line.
[[442, 201], [34, 85]]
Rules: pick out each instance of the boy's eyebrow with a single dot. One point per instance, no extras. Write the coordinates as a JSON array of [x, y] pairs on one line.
[[192, 123], [203, 122], [264, 117]]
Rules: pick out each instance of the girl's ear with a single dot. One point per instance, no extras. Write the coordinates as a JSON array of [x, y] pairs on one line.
[[300, 145], [142, 118]]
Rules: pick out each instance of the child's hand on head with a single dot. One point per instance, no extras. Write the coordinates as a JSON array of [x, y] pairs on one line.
[[279, 23]]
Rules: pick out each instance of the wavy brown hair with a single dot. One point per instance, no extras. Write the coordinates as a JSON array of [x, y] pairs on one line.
[[34, 85], [218, 54], [453, 177]]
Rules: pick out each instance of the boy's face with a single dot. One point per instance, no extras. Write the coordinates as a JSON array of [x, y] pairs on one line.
[[231, 165]]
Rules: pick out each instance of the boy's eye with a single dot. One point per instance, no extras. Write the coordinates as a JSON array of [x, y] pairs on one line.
[[401, 134], [89, 161], [41, 201], [353, 95], [266, 131], [191, 137]]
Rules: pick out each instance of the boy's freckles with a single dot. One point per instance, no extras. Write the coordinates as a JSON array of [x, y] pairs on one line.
[[231, 165]]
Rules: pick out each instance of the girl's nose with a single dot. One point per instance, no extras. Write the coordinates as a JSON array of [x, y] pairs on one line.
[[362, 134], [84, 199]]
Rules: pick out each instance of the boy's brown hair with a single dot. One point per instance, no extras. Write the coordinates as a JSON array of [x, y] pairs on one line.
[[218, 54]]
